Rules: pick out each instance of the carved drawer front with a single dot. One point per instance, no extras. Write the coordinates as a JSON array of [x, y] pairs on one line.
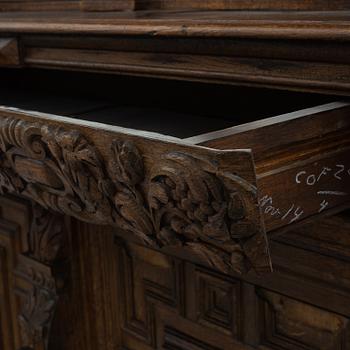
[[183, 199], [145, 171]]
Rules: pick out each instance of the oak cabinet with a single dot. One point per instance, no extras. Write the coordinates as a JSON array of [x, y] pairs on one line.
[[207, 210], [169, 223]]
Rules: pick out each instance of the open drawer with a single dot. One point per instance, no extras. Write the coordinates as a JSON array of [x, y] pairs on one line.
[[201, 174]]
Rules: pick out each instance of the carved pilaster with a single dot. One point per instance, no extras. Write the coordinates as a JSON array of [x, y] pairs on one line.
[[45, 241]]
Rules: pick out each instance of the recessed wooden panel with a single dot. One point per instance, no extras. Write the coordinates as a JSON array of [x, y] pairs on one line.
[[180, 334], [290, 324], [148, 277], [168, 303], [214, 300]]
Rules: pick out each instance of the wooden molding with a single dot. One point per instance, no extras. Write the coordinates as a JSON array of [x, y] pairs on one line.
[[316, 5], [38, 5], [116, 5], [288, 321], [9, 53], [177, 200], [271, 49], [107, 5]]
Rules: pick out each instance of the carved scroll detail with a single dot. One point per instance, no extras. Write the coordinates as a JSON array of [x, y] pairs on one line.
[[194, 205], [46, 239], [181, 201], [55, 167]]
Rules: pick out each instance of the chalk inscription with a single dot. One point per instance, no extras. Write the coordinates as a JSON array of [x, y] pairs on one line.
[[330, 175], [293, 213], [339, 172]]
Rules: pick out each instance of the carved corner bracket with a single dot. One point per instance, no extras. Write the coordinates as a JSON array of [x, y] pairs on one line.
[[46, 240], [180, 201]]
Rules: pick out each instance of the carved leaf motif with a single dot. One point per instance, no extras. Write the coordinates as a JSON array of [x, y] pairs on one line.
[[191, 206], [127, 172], [187, 200], [126, 165], [181, 200], [36, 316], [9, 181], [68, 156], [46, 242], [46, 236], [79, 163], [131, 214]]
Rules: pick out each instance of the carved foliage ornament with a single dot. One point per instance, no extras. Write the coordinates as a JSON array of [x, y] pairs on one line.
[[46, 241], [36, 317], [182, 201]]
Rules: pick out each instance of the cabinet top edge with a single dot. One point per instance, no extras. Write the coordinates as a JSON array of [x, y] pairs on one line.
[[317, 25]]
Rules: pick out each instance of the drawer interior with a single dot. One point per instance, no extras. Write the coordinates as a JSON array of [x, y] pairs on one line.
[[177, 109], [300, 142]]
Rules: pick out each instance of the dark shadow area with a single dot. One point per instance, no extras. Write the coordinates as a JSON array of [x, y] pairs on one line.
[[180, 109]]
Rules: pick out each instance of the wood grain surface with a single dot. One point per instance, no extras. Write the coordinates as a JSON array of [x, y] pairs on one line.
[[148, 232], [9, 52], [261, 48], [170, 196], [298, 155]]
